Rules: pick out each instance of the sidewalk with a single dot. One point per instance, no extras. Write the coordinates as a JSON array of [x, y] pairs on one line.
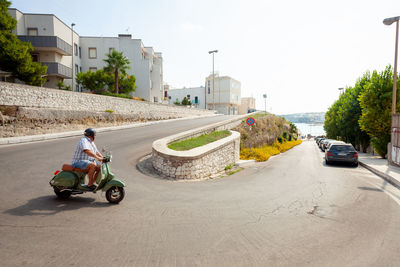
[[380, 167]]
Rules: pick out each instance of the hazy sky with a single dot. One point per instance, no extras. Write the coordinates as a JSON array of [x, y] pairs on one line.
[[297, 52]]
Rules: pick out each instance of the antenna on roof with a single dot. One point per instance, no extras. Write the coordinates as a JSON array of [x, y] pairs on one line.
[[127, 29]]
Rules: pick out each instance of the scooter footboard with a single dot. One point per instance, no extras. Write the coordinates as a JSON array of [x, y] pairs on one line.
[[112, 183]]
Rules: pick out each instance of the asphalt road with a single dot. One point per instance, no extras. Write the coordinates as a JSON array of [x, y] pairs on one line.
[[291, 210]]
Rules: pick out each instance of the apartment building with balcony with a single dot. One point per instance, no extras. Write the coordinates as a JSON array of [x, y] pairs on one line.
[[52, 42], [66, 53], [224, 96]]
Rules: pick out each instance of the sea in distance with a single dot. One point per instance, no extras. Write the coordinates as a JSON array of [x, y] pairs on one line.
[[309, 128]]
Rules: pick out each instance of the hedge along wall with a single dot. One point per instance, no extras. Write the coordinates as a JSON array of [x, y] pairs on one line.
[[36, 97]]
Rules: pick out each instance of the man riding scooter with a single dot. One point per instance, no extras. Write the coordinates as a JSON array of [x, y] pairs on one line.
[[85, 157]]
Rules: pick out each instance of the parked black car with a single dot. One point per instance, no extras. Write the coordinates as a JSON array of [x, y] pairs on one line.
[[341, 153]]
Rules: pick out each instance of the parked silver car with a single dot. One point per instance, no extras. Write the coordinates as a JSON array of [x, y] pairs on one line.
[[323, 143]]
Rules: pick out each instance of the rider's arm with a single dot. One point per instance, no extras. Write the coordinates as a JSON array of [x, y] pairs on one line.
[[91, 154]]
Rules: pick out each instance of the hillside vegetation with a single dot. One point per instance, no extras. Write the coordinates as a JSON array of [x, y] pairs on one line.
[[270, 135]]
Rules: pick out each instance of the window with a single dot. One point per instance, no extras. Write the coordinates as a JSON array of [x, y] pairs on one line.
[[196, 99], [76, 49], [93, 69], [92, 52], [32, 31], [35, 57], [188, 96], [80, 69], [111, 49], [208, 85], [76, 69], [80, 52]]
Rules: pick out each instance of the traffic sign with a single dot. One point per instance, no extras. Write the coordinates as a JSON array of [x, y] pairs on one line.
[[250, 121]]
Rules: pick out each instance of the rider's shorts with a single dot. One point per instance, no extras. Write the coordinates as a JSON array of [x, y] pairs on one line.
[[82, 164]]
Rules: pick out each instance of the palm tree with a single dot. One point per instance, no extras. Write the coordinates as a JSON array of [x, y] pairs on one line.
[[116, 63]]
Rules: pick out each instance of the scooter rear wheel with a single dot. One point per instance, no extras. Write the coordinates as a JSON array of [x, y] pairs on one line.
[[62, 194], [115, 194]]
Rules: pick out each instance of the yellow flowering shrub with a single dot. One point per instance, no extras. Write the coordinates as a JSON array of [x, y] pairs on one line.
[[264, 152]]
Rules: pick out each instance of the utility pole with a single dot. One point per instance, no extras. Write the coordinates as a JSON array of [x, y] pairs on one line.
[[213, 76], [72, 44]]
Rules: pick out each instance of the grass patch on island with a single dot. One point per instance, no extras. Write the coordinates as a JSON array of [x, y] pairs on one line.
[[201, 140]]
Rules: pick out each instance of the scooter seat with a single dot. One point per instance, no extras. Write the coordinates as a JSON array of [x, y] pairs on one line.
[[68, 167]]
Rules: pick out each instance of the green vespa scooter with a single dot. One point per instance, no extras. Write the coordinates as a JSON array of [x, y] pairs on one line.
[[70, 181]]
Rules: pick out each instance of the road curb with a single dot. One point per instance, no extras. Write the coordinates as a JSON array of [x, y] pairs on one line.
[[245, 163], [384, 176], [44, 137]]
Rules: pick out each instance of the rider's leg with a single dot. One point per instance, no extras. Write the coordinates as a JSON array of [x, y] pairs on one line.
[[96, 172], [91, 170]]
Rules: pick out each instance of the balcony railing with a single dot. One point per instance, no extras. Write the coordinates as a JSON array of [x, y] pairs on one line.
[[57, 69], [50, 42]]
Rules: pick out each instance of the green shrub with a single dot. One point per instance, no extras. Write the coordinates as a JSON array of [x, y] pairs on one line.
[[115, 95], [380, 145], [228, 167], [109, 111]]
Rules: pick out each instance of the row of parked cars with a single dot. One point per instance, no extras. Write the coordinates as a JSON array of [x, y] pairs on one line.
[[337, 151]]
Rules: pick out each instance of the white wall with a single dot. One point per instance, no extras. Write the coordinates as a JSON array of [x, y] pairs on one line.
[[193, 92]]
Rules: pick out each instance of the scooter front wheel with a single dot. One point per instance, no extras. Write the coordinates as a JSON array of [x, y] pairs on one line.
[[62, 194], [115, 194]]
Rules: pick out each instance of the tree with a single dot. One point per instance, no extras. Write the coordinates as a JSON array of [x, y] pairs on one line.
[[331, 126], [376, 103], [95, 81], [116, 63], [186, 102], [127, 84], [15, 56]]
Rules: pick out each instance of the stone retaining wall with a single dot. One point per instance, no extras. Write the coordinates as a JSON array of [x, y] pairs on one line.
[[36, 97], [198, 163], [201, 162]]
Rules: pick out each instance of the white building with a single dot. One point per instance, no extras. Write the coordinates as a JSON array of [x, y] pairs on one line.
[[145, 64], [195, 94], [52, 42], [247, 105], [225, 97], [66, 53]]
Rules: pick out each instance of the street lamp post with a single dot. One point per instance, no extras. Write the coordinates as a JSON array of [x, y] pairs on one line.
[[265, 102], [72, 44], [213, 52], [389, 21]]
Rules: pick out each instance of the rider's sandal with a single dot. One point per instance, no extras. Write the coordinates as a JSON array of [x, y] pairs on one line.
[[92, 187]]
